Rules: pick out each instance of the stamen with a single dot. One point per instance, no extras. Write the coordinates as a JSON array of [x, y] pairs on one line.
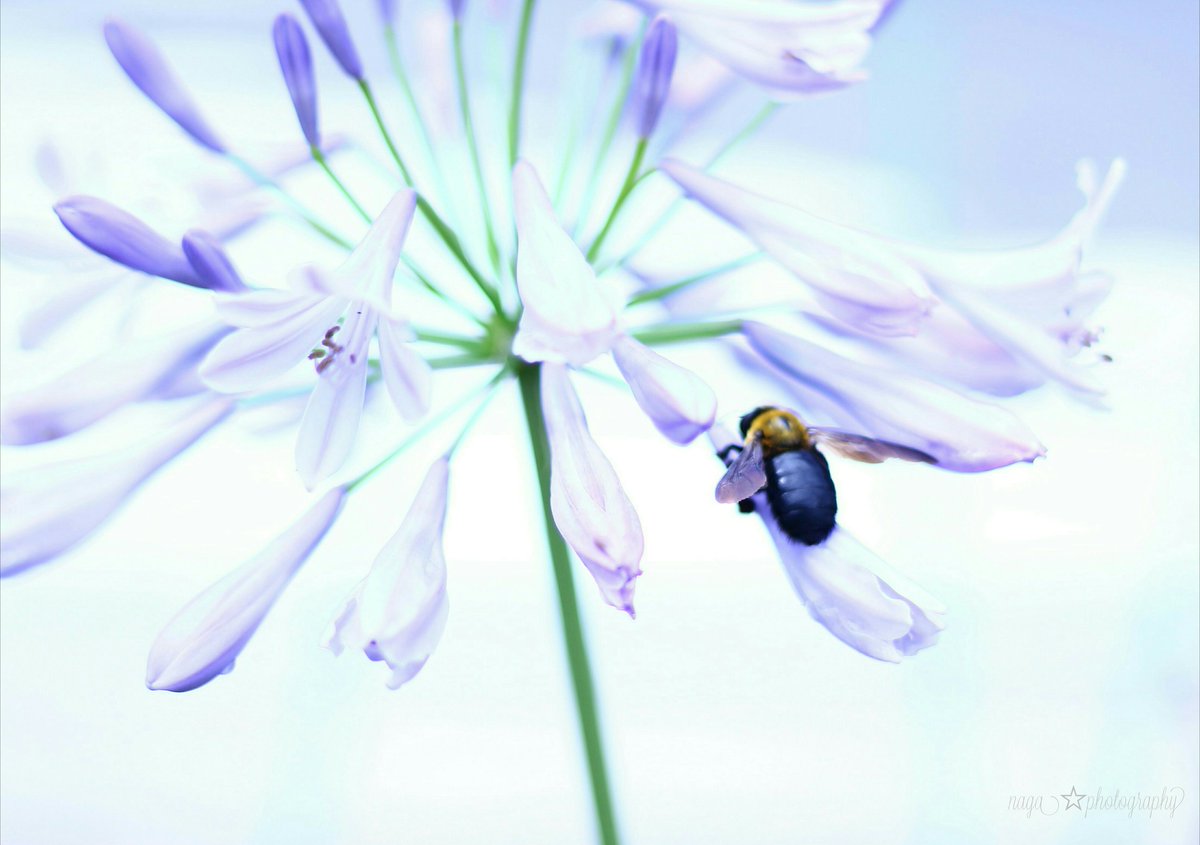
[[327, 352]]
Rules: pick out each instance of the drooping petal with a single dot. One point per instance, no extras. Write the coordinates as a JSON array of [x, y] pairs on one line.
[[566, 317], [398, 612], [327, 18], [368, 272], [47, 510], [121, 237], [408, 376], [679, 403], [656, 65], [855, 276], [124, 373], [590, 508], [212, 265], [330, 423], [249, 358], [147, 69], [789, 49], [295, 60], [963, 434], [850, 591], [840, 584], [207, 635], [1024, 299]]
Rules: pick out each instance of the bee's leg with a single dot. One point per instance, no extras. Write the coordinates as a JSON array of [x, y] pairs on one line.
[[746, 506], [729, 450]]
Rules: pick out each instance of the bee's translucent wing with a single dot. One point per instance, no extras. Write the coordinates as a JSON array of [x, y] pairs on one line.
[[745, 476], [866, 449]]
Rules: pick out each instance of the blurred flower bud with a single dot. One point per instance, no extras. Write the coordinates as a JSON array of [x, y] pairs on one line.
[[295, 61], [327, 17], [655, 66], [147, 69]]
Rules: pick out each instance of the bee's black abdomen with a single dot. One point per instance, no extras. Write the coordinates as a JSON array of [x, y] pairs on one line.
[[801, 495]]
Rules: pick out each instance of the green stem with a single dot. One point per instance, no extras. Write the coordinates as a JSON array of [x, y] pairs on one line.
[[423, 278], [464, 104], [444, 232], [518, 86], [397, 63], [443, 339], [577, 657], [631, 181], [432, 423], [610, 129], [319, 158], [265, 181], [684, 332], [749, 129], [663, 291]]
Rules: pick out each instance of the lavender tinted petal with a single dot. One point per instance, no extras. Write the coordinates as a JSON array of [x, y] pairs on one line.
[[295, 61], [590, 507], [330, 23], [147, 69], [127, 372], [206, 636], [398, 612], [212, 265], [48, 510], [121, 237]]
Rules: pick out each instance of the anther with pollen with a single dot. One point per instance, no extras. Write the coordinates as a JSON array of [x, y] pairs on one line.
[[327, 352]]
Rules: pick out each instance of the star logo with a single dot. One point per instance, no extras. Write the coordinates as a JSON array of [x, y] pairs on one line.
[[1073, 799]]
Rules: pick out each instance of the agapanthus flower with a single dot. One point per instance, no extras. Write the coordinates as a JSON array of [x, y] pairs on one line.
[[330, 319], [891, 343]]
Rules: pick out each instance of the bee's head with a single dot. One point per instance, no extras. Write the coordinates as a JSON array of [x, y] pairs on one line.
[[748, 419]]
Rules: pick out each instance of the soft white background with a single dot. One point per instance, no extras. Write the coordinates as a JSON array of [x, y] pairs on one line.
[[1070, 657]]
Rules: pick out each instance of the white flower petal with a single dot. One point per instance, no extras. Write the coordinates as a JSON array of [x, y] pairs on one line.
[[249, 358], [398, 612], [790, 49], [330, 423], [855, 276], [590, 508], [679, 403], [265, 307], [408, 376], [368, 273], [208, 634], [961, 433], [566, 317]]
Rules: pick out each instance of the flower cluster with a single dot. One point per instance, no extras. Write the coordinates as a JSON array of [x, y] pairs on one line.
[[951, 325]]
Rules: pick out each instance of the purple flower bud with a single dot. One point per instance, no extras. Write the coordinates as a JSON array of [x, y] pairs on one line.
[[212, 265], [456, 8], [388, 10], [147, 69], [118, 235], [655, 67], [327, 17], [295, 61]]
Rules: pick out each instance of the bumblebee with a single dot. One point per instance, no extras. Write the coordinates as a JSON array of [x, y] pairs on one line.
[[780, 456]]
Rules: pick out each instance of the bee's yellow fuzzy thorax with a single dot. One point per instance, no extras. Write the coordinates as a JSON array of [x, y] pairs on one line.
[[778, 431]]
